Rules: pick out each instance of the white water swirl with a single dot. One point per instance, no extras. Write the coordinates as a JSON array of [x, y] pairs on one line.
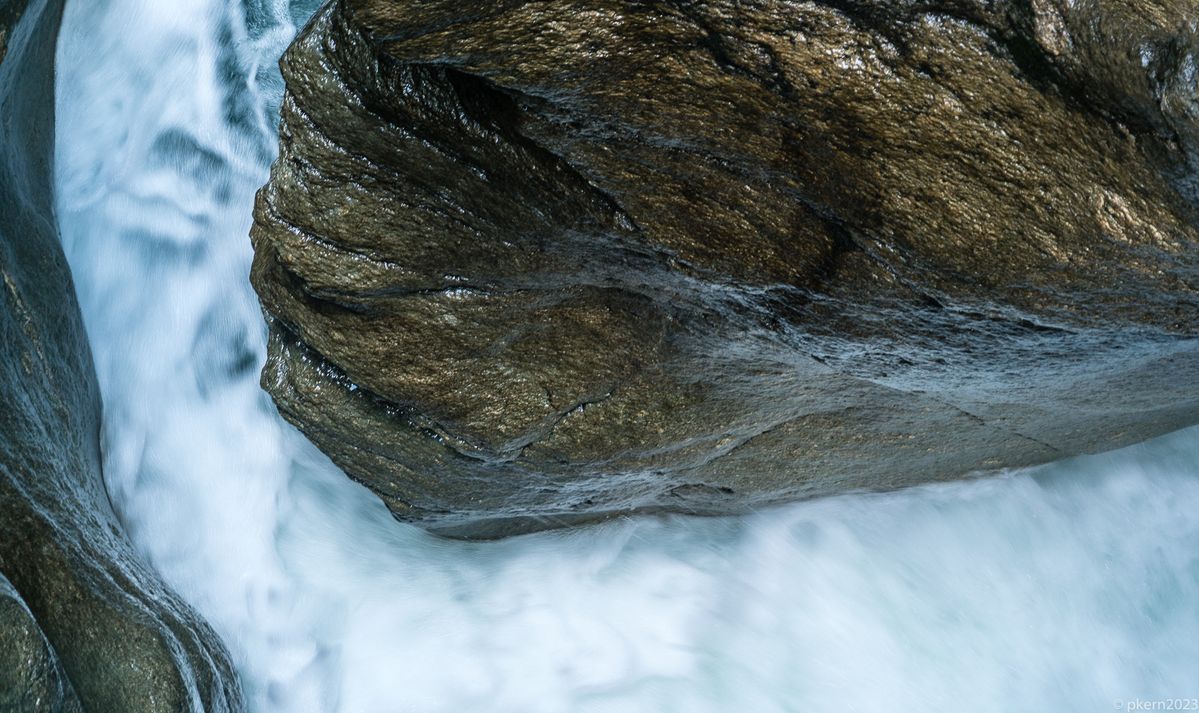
[[1065, 589]]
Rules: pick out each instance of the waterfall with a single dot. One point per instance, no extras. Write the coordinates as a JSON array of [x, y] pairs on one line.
[[1073, 587]]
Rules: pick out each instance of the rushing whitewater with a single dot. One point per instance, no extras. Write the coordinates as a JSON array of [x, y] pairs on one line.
[[1071, 588]]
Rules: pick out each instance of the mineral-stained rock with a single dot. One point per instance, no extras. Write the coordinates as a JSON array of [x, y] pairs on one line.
[[80, 614], [532, 263]]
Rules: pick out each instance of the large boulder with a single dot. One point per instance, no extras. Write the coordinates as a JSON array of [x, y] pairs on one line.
[[82, 618], [533, 263]]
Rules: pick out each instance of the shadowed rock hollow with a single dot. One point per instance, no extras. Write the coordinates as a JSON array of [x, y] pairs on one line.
[[533, 263]]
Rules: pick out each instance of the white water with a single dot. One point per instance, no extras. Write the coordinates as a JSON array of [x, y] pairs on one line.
[[1065, 589]]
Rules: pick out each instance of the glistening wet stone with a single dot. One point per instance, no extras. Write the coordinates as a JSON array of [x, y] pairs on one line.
[[528, 264]]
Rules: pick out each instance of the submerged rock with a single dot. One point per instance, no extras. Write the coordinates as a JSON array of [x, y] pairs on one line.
[[82, 618], [534, 263]]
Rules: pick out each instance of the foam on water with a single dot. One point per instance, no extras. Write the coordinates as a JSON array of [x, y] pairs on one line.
[[1063, 589]]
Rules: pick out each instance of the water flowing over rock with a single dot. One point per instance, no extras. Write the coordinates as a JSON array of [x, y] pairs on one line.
[[534, 263], [82, 619], [31, 677]]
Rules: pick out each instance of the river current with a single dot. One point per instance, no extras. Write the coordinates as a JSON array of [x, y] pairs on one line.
[[1072, 587]]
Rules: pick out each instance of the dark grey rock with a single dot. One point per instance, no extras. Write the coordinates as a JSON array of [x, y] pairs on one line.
[[534, 263], [123, 641]]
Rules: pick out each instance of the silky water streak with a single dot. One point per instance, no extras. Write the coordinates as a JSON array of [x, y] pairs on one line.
[[1074, 587]]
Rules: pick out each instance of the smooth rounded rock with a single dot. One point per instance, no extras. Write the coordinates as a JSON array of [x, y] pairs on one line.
[[31, 678]]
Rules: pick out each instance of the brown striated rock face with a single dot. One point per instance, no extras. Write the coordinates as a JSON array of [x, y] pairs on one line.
[[84, 623], [532, 263]]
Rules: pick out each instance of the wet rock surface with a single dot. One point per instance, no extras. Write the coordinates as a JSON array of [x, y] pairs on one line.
[[84, 624], [533, 263], [31, 678]]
